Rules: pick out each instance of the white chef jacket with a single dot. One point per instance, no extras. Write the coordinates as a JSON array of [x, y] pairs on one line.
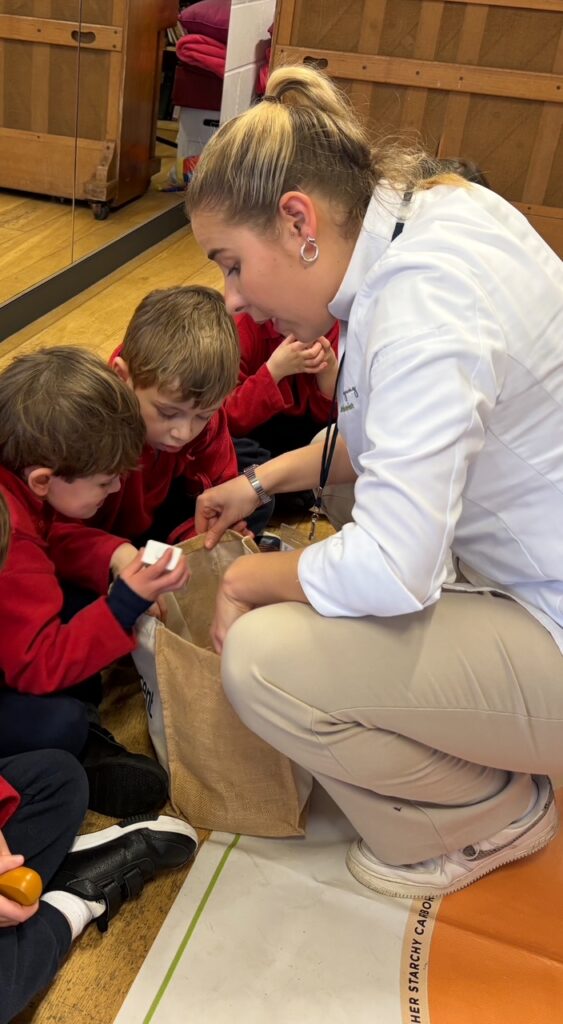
[[451, 407]]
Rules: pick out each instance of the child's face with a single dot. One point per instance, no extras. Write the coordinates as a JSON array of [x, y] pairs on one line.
[[171, 423], [79, 499]]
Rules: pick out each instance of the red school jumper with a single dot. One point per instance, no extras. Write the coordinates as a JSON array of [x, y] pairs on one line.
[[206, 461], [257, 396], [38, 654], [9, 801]]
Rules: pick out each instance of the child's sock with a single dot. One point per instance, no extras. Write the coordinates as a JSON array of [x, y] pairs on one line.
[[77, 911]]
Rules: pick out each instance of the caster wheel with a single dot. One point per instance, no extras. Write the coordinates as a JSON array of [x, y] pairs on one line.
[[100, 210]]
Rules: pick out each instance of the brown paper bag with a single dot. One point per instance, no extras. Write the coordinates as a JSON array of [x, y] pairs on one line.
[[222, 776]]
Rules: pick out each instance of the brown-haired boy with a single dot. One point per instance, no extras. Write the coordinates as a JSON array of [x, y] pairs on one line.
[[68, 429], [180, 356]]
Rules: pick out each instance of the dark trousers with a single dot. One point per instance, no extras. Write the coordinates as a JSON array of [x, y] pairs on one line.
[[60, 720], [54, 796], [284, 433]]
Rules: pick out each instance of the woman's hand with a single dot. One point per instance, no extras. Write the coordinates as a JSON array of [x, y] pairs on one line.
[[253, 581], [224, 507], [227, 610], [12, 913]]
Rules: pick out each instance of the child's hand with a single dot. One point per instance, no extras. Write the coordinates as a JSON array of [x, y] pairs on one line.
[[326, 376], [320, 357], [292, 356], [150, 581], [121, 558], [12, 913]]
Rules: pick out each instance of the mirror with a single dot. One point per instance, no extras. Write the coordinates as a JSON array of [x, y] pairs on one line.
[[38, 110], [120, 165], [97, 114], [80, 164]]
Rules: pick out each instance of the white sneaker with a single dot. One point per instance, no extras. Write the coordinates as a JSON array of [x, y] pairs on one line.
[[453, 871]]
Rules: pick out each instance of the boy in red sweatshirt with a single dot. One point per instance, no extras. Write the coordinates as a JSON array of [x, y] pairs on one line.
[[285, 388], [180, 357], [68, 429], [43, 799]]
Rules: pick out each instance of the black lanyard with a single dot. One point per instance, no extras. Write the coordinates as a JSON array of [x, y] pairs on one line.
[[329, 445], [331, 432]]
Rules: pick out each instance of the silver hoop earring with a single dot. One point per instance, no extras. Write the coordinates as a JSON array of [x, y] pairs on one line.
[[312, 242]]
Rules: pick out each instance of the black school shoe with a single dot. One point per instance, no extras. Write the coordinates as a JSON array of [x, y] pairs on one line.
[[121, 784], [113, 865]]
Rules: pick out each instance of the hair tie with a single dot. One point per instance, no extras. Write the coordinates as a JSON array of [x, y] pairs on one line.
[[269, 98]]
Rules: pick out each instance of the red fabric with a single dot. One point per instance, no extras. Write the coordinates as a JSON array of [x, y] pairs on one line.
[[209, 17], [197, 88], [207, 460], [258, 396], [39, 654], [203, 53], [9, 802], [263, 73]]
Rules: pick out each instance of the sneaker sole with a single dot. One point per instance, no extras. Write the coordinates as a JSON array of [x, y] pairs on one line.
[[120, 789], [164, 823], [549, 828]]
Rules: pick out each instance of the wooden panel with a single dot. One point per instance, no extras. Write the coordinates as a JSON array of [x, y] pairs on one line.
[[283, 23], [520, 39], [478, 79], [536, 5], [63, 10], [457, 108], [27, 153], [428, 74], [61, 33], [545, 143], [427, 33], [371, 27]]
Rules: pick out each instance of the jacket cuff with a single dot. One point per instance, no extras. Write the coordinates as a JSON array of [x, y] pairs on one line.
[[125, 604]]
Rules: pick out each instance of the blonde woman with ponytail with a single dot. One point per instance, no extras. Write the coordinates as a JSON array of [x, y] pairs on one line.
[[431, 712]]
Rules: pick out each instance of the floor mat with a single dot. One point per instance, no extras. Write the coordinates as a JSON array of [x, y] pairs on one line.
[[278, 928]]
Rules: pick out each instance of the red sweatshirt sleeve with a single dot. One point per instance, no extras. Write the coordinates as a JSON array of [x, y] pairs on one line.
[[38, 653], [81, 554], [9, 802], [257, 397]]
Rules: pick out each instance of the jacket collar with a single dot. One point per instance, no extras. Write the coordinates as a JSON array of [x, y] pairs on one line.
[[373, 241]]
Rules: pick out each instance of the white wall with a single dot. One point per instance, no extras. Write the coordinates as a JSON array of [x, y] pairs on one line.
[[248, 37]]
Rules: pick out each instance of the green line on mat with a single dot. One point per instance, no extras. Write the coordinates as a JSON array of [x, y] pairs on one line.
[[191, 928]]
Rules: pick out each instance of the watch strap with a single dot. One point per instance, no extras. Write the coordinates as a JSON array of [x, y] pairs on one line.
[[262, 495]]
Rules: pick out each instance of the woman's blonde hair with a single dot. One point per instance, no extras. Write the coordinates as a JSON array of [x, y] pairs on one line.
[[304, 136]]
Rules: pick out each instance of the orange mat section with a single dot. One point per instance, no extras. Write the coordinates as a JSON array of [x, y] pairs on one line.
[[497, 946]]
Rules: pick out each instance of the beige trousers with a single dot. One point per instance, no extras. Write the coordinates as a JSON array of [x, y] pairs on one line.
[[424, 728]]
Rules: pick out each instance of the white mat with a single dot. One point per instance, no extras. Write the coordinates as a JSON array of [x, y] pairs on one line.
[[277, 930]]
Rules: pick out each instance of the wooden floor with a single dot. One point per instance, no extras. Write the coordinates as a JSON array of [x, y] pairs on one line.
[[39, 235], [97, 318]]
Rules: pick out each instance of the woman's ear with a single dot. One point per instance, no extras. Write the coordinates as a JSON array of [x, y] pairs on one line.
[[298, 216], [121, 369], [38, 480]]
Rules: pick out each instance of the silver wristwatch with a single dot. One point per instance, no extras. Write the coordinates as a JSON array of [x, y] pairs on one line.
[[262, 495]]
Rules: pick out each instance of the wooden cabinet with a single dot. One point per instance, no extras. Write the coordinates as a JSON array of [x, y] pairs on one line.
[[84, 72], [479, 79]]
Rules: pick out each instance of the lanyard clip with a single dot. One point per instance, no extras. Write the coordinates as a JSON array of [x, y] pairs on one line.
[[316, 513]]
